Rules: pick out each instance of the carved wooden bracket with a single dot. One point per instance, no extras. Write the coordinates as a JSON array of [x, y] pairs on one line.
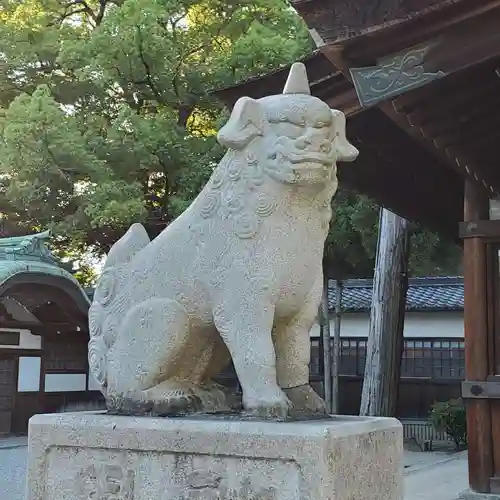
[[394, 75]]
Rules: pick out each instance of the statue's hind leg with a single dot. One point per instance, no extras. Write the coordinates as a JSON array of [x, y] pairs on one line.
[[190, 390], [157, 364], [204, 357], [149, 349]]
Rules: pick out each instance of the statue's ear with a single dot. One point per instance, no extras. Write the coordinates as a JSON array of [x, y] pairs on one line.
[[245, 124], [344, 149]]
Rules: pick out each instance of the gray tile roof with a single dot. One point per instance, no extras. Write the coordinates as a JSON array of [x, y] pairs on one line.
[[424, 294]]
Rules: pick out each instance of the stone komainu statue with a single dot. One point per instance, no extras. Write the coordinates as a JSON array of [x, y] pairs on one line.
[[237, 276]]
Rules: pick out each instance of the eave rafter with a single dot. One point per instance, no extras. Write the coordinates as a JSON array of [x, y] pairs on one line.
[[434, 190], [453, 23], [423, 112]]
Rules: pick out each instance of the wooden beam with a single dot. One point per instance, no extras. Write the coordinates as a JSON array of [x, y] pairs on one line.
[[388, 153], [480, 229], [448, 93], [392, 71], [358, 22], [466, 135], [484, 149], [453, 117], [481, 390], [476, 208], [346, 102], [448, 157], [393, 37]]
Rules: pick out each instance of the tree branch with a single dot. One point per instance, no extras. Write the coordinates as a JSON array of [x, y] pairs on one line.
[[68, 12], [149, 77], [61, 172], [100, 14], [196, 49]]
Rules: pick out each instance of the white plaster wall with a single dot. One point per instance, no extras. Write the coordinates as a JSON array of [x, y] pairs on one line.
[[417, 324], [93, 385], [26, 340], [65, 382], [28, 378]]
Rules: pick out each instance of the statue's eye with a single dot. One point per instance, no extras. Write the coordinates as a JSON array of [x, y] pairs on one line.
[[294, 120], [320, 124], [290, 130]]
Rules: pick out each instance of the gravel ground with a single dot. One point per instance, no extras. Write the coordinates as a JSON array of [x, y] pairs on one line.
[[12, 473]]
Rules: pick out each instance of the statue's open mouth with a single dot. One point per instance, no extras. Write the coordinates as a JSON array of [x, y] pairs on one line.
[[320, 159]]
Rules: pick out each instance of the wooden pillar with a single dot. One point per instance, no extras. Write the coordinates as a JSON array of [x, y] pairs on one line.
[[336, 347], [476, 207], [326, 344], [385, 337]]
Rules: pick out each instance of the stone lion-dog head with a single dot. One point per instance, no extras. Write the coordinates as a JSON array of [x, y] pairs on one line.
[[296, 137]]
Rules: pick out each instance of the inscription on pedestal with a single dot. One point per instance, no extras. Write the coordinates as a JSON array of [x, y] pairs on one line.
[[106, 482], [221, 492], [98, 474]]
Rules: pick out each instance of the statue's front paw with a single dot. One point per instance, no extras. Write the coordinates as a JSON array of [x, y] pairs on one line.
[[268, 404], [305, 399]]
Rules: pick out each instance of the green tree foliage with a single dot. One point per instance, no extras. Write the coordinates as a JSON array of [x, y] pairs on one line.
[[352, 242], [451, 417], [106, 114]]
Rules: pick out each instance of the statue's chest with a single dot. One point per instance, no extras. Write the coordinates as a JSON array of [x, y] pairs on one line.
[[293, 295]]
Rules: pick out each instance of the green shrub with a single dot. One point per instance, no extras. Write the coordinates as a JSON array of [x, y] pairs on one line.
[[450, 417]]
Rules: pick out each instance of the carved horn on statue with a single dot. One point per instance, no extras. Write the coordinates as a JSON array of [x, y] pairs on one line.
[[297, 81]]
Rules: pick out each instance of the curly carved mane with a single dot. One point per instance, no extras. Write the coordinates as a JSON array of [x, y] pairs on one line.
[[239, 191]]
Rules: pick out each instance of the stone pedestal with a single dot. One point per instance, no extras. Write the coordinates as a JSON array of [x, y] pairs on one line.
[[91, 455], [472, 495]]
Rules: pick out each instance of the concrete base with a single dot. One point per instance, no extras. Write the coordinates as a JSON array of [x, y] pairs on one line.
[[472, 495], [91, 455]]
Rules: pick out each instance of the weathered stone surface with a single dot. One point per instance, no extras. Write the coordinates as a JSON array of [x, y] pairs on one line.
[[238, 275], [101, 457]]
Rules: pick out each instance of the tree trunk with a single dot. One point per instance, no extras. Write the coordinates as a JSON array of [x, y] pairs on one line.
[[385, 340], [326, 346], [336, 347]]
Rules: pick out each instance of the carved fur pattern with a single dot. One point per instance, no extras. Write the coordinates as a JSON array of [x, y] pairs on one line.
[[235, 192], [103, 328]]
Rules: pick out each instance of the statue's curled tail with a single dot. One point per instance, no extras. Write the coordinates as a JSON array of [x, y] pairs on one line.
[[102, 331]]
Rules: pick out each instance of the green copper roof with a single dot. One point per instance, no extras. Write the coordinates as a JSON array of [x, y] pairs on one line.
[[30, 254], [29, 248]]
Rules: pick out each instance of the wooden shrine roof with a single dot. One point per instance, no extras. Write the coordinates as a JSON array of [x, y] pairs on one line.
[[421, 90], [325, 80], [348, 21]]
